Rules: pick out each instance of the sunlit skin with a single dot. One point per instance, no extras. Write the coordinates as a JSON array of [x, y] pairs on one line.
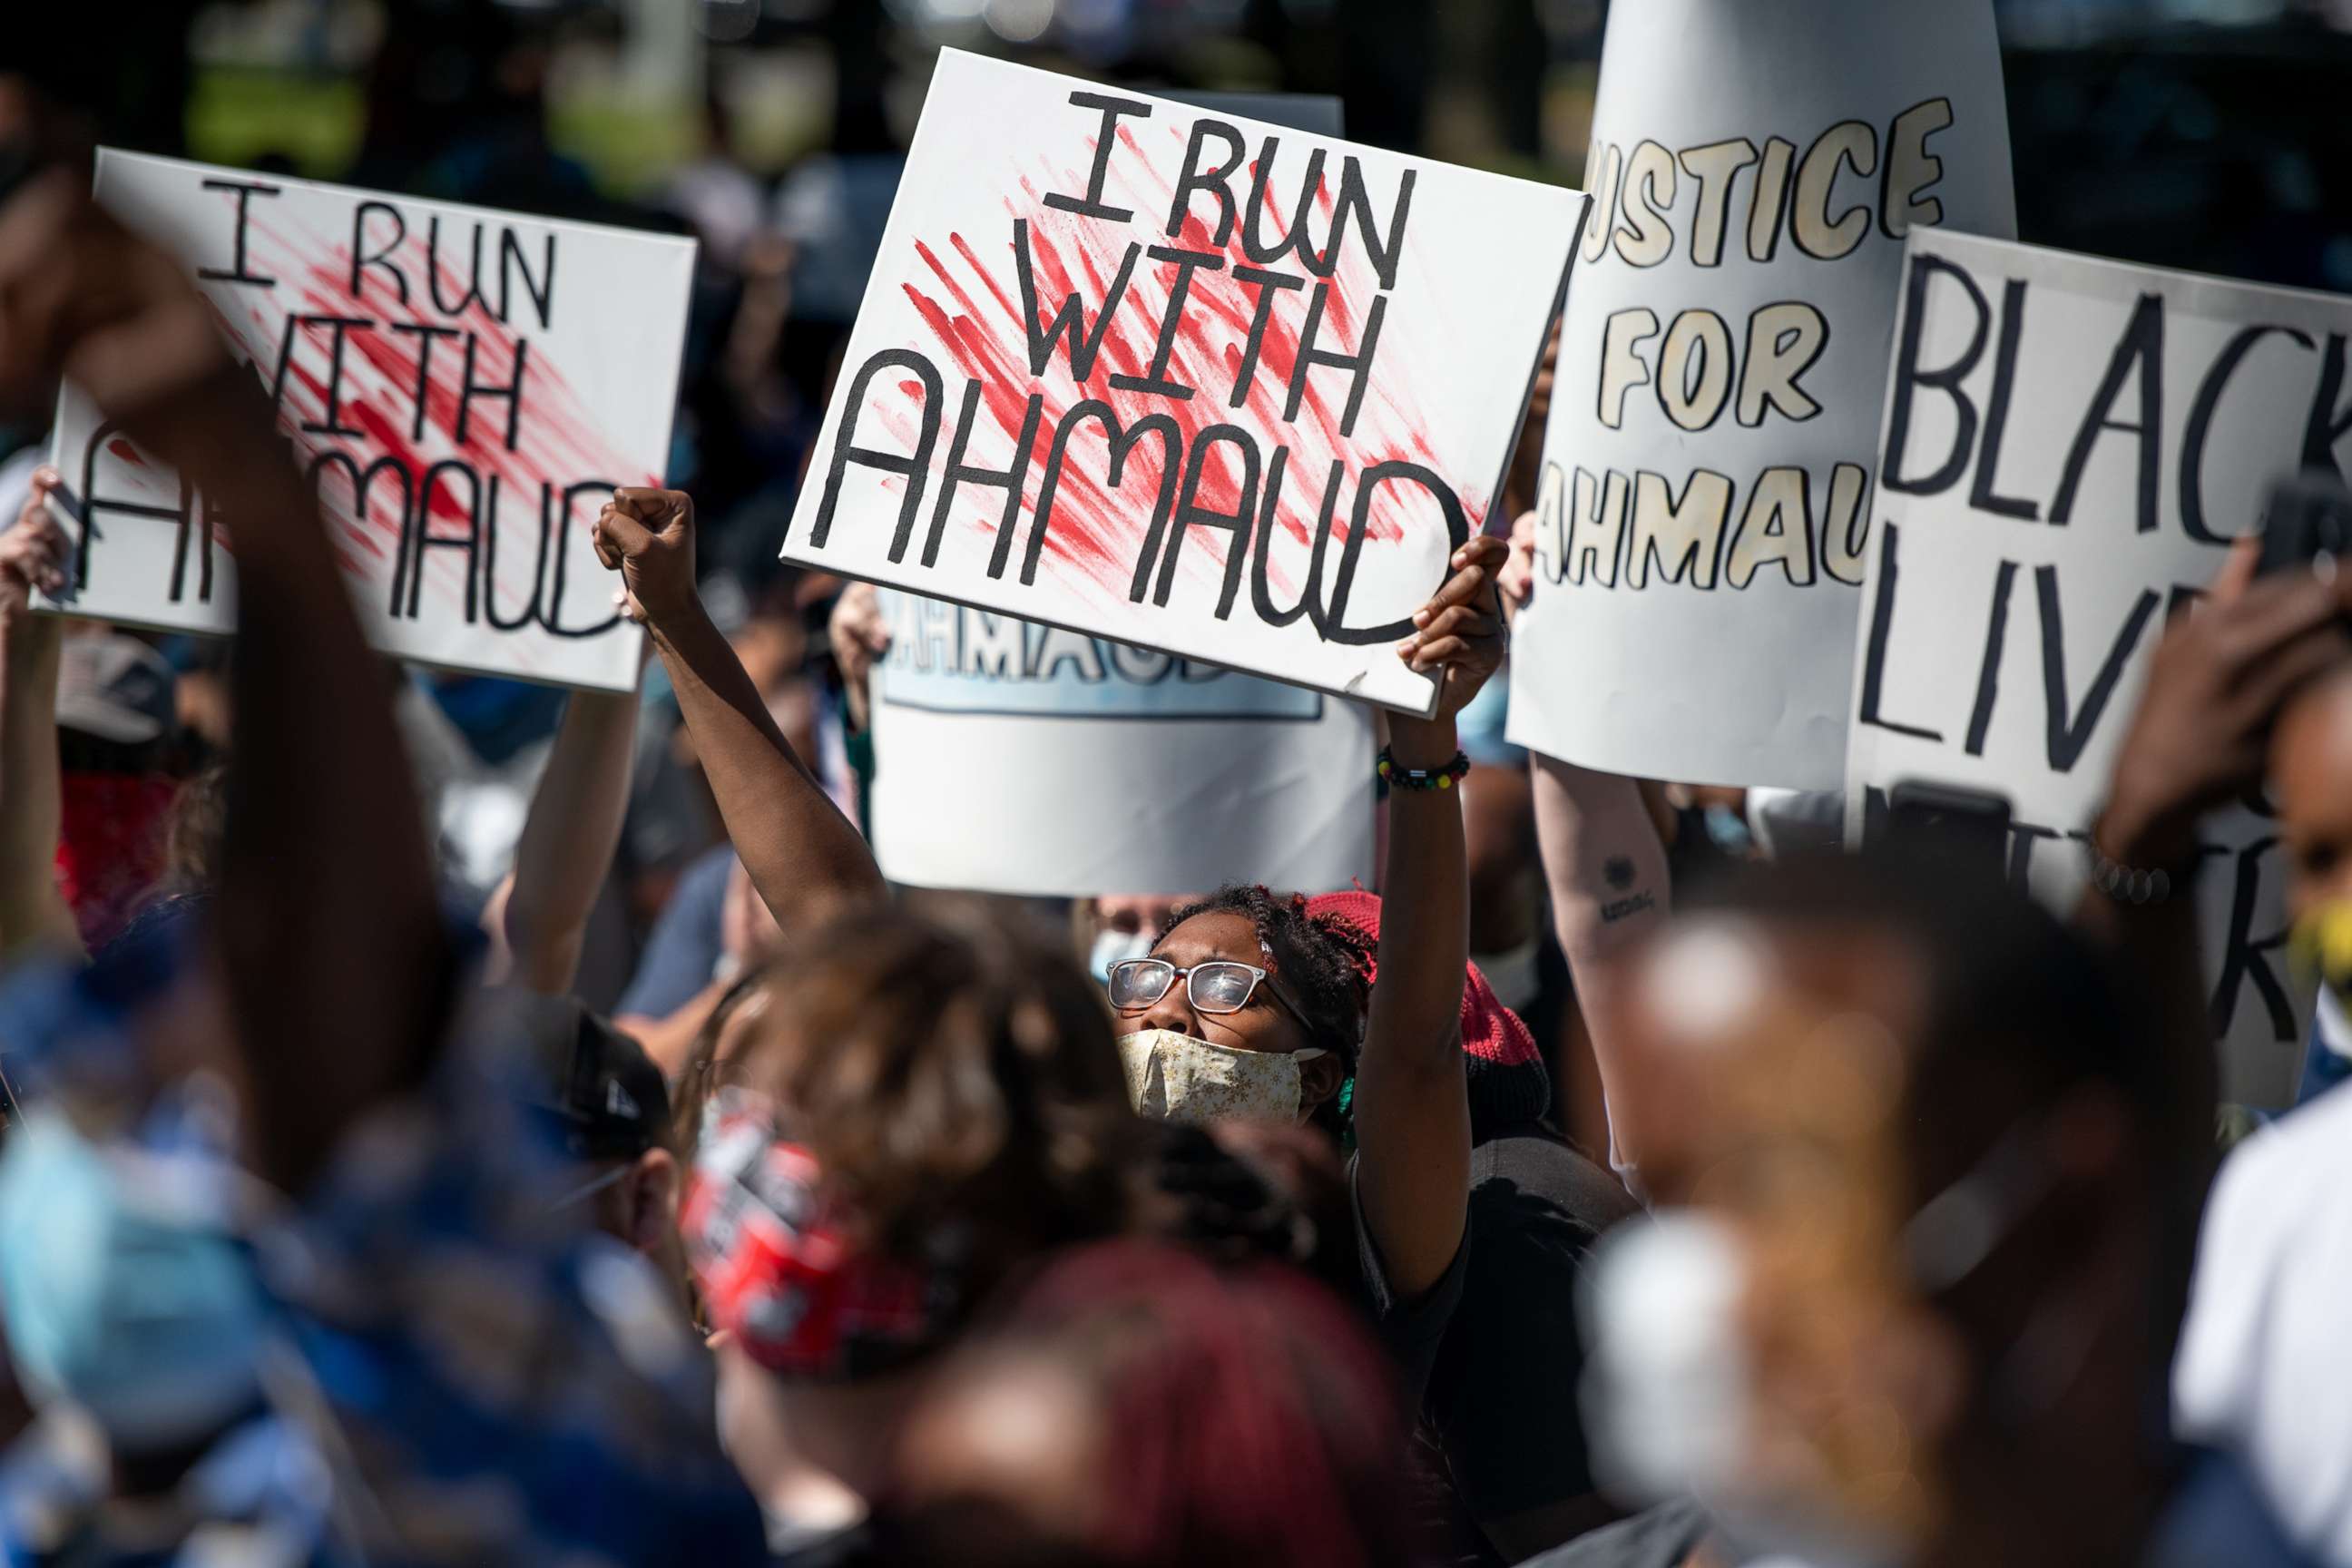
[[1263, 1024], [1775, 1103], [2311, 785]]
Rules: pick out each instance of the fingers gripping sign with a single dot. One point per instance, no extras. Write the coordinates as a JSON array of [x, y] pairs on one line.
[[647, 536], [860, 635], [32, 551], [1458, 636]]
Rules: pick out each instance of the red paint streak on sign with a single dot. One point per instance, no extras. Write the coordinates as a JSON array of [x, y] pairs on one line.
[[970, 309], [404, 399]]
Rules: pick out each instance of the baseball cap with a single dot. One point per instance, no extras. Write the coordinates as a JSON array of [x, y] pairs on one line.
[[115, 688], [605, 1094]]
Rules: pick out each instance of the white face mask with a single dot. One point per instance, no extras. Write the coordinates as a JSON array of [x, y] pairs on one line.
[[1671, 1398], [1175, 1078], [1669, 1395], [1116, 947], [1666, 1389]]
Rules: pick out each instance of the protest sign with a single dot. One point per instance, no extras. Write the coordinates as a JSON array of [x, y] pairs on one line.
[[463, 387], [1705, 498], [1013, 758], [2071, 444], [1192, 383]]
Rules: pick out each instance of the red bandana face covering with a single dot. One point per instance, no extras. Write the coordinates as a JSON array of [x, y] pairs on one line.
[[778, 1268], [110, 843]]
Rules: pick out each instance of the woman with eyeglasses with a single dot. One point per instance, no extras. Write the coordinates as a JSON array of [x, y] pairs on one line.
[[1354, 1015], [1253, 1007]]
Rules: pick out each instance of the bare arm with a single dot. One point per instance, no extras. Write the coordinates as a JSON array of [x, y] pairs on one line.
[[32, 555], [338, 962], [2220, 678], [803, 856], [1606, 871], [568, 840], [1411, 1104], [331, 946], [1605, 867]]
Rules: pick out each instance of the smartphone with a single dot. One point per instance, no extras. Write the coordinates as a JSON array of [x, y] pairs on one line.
[[1963, 830], [2309, 527]]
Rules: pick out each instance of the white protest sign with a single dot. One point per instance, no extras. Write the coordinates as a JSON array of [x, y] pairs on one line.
[[2071, 444], [1193, 383], [1013, 758], [464, 388], [1706, 491]]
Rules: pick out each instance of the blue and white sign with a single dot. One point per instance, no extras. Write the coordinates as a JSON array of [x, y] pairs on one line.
[[1017, 758], [949, 658]]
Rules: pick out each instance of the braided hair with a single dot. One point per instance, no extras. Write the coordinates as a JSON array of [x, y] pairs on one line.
[[1324, 967]]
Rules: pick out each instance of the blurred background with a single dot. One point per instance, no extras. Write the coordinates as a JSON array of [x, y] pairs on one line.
[[2182, 132]]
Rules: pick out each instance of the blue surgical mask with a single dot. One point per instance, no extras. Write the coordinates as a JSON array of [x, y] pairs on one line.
[[1727, 830], [1117, 947], [150, 1321]]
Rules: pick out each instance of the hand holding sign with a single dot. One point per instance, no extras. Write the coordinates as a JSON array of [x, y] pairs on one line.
[[647, 536], [1458, 635], [33, 554], [2215, 684], [860, 633]]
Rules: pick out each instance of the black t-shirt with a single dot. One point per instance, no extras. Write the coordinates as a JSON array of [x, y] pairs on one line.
[[1502, 1411], [1412, 1330]]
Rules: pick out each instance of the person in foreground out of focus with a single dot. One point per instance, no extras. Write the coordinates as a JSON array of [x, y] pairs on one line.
[[1908, 1295], [896, 1120], [1980, 1323], [2265, 1332], [357, 1228], [1140, 1408]]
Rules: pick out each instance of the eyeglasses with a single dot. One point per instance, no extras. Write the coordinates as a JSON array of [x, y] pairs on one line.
[[1217, 987]]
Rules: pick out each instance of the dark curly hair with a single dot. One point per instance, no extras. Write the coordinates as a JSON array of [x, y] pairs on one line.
[[1322, 964]]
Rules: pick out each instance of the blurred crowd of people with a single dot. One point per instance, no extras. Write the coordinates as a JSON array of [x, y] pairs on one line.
[[451, 1122]]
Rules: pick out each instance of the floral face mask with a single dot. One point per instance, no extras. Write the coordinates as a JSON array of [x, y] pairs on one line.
[[1175, 1078]]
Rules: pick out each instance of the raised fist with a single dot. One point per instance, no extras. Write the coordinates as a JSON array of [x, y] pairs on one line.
[[647, 536]]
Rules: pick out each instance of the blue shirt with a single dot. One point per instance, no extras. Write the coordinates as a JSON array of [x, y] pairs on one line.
[[682, 953], [464, 1372]]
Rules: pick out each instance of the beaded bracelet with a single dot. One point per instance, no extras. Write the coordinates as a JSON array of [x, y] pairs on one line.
[[1422, 778]]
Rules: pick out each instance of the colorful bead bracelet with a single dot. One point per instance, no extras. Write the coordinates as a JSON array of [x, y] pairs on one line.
[[1422, 778]]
